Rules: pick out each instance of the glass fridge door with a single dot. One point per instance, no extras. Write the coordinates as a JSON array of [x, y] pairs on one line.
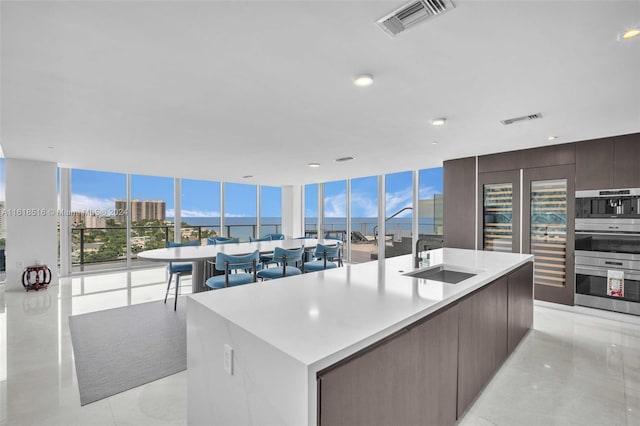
[[498, 217]]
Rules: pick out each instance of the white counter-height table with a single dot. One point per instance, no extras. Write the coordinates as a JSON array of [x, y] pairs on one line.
[[198, 255]]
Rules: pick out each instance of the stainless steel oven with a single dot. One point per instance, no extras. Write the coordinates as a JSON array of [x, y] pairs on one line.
[[592, 284], [606, 250]]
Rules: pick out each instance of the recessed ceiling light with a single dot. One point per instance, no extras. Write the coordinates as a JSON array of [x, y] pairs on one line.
[[313, 164], [247, 176], [341, 159], [434, 143], [438, 121], [551, 138], [363, 80], [631, 33]]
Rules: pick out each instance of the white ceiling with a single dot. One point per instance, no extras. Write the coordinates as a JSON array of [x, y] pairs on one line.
[[218, 90]]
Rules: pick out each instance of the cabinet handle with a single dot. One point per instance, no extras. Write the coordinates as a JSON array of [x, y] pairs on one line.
[[614, 227], [613, 263]]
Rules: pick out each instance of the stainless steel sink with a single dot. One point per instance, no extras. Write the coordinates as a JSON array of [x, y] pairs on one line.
[[442, 273]]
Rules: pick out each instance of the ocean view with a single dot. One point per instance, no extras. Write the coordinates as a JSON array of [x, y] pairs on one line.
[[243, 227]]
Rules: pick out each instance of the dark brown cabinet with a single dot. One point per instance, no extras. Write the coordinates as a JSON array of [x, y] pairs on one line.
[[409, 379], [430, 372], [594, 164], [608, 163], [552, 155], [482, 339], [520, 311], [627, 161], [459, 180]]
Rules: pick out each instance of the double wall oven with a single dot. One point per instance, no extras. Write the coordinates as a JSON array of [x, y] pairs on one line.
[[607, 249]]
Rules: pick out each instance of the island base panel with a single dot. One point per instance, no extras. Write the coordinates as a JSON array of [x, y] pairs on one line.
[[408, 379]]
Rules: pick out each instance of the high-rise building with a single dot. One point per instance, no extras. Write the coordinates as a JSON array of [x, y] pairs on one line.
[[121, 207], [92, 220], [141, 210], [88, 219]]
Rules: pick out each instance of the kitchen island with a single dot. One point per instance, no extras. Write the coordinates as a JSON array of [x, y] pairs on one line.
[[362, 344]]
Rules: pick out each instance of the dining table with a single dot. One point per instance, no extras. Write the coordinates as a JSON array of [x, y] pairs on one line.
[[199, 255]]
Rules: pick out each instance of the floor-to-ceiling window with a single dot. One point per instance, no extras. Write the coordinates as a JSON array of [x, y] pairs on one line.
[[398, 221], [311, 208], [430, 201], [364, 218], [335, 210], [199, 209], [152, 212], [270, 210], [240, 211], [98, 220]]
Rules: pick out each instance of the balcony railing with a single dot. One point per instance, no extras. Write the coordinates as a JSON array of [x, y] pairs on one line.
[[397, 230], [106, 245], [104, 248]]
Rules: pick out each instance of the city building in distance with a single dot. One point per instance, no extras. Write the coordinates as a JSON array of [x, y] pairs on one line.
[[88, 219], [141, 210]]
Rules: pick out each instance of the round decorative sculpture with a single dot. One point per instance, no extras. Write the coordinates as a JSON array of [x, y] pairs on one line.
[[36, 277]]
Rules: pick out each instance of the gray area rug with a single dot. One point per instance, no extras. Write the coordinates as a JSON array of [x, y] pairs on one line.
[[119, 349]]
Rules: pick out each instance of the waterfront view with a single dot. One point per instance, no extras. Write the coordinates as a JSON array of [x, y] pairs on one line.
[[99, 214], [95, 245]]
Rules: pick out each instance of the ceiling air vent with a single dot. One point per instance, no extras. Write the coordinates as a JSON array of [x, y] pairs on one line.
[[413, 13], [523, 118]]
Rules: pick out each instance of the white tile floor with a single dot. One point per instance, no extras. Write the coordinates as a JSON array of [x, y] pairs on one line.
[[38, 384], [572, 369]]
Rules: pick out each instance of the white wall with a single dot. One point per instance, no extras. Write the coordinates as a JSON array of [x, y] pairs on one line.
[[30, 185], [292, 214]]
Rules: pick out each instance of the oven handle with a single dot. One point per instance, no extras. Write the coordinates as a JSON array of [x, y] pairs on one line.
[[600, 272]]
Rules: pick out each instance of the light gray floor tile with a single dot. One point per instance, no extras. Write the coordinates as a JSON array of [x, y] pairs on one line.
[[571, 369]]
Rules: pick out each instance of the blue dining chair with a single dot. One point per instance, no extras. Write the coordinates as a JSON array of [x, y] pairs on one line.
[[285, 257], [232, 265], [265, 238], [265, 259], [275, 237], [177, 269], [221, 240], [228, 241], [216, 241], [326, 257]]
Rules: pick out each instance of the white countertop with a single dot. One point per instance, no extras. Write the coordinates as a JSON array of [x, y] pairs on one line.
[[319, 318]]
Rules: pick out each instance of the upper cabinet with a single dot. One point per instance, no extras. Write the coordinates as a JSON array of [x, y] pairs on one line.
[[626, 169], [608, 163], [552, 155], [594, 164]]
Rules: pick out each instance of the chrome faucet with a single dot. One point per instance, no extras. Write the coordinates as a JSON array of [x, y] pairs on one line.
[[417, 258]]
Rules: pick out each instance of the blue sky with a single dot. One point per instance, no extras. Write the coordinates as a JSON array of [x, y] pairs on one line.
[[364, 194], [99, 190]]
